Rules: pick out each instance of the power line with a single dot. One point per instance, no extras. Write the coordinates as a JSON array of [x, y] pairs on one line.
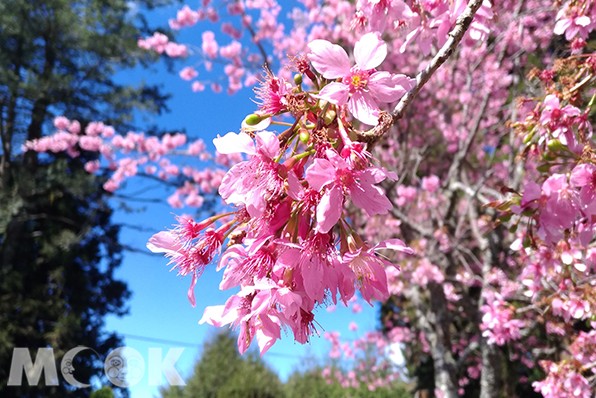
[[187, 344], [157, 340]]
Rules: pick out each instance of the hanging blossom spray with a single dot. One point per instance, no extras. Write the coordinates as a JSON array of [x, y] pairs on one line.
[[288, 244]]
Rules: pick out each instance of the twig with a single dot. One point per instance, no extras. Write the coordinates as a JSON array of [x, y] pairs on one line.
[[413, 225], [455, 36], [457, 33], [253, 35]]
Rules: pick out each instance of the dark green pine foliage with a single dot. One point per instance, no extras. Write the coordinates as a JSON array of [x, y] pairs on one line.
[[58, 255], [222, 372], [58, 246]]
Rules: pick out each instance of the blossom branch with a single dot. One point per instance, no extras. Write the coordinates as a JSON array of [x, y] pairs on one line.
[[455, 36], [255, 40], [462, 153]]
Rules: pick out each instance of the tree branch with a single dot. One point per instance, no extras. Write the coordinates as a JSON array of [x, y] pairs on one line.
[[255, 40], [455, 36], [411, 224]]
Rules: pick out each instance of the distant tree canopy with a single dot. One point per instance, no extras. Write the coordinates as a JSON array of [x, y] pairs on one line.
[[60, 57], [311, 383], [58, 246], [222, 372]]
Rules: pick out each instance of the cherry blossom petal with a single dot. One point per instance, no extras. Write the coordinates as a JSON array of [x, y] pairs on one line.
[[394, 244], [409, 38], [256, 203], [329, 209], [295, 189], [370, 51], [329, 59], [386, 87], [231, 188], [335, 92], [267, 144], [320, 173], [214, 315], [267, 335], [561, 26], [364, 108], [191, 290], [164, 242], [582, 175], [368, 196], [234, 143], [583, 21], [312, 270]]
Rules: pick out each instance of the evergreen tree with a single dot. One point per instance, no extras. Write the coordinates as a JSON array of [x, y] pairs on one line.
[[58, 246], [223, 373]]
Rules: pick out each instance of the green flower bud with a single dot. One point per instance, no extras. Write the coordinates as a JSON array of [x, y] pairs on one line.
[[253, 119], [304, 137], [554, 145], [298, 79], [529, 137]]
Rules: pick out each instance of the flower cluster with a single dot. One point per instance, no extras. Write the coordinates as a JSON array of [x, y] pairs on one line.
[[124, 156], [498, 323], [563, 381], [558, 135], [576, 20], [369, 360], [425, 22], [290, 246], [161, 44], [408, 24], [558, 202]]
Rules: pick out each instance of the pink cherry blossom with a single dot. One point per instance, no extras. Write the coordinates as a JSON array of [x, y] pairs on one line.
[[271, 94], [175, 50], [337, 175], [209, 46], [572, 23], [369, 268], [362, 87], [498, 323], [61, 123], [583, 177], [184, 18], [189, 256], [188, 73], [197, 86], [261, 179], [430, 183], [157, 42]]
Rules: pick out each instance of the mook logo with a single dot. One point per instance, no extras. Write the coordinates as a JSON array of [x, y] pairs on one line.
[[123, 366]]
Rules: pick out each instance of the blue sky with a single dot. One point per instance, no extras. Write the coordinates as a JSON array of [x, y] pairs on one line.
[[160, 314]]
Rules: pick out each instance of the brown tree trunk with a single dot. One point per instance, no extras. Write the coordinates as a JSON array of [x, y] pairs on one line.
[[435, 324], [491, 380], [491, 377]]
